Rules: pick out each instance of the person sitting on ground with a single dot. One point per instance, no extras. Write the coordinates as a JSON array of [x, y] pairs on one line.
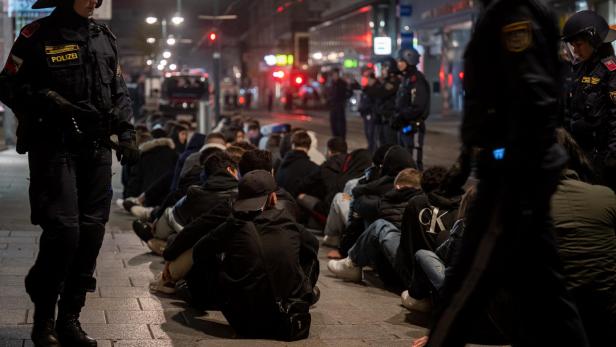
[[585, 220], [378, 244], [359, 169], [262, 263], [220, 187], [426, 223], [192, 163], [366, 197], [158, 158], [318, 190], [296, 164]]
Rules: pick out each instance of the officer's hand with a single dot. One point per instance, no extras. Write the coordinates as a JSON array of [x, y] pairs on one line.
[[127, 151]]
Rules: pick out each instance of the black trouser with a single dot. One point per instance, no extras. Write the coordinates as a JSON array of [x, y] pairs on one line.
[[337, 120], [370, 131], [70, 196], [414, 143], [508, 242], [385, 134]]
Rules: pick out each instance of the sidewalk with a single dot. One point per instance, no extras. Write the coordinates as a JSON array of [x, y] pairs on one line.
[[122, 312]]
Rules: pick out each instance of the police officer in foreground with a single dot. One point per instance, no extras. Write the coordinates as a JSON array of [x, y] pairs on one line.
[[510, 116], [591, 104], [63, 81], [412, 105]]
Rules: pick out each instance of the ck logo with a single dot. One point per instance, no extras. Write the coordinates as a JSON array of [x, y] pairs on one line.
[[432, 217]]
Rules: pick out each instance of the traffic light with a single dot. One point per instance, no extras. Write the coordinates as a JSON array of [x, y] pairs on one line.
[[298, 79], [212, 36], [278, 74]]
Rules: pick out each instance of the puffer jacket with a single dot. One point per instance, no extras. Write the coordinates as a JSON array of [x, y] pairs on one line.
[[158, 158], [393, 203]]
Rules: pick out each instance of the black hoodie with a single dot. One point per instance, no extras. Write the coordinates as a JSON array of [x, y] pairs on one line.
[[295, 166], [426, 223], [393, 204]]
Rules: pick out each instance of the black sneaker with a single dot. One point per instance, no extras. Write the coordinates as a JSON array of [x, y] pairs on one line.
[[143, 230], [71, 334], [128, 204]]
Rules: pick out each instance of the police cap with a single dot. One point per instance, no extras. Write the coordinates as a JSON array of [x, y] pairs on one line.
[[54, 3], [589, 25]]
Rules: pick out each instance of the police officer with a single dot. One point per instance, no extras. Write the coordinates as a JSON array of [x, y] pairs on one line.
[[63, 81], [384, 94], [511, 111], [366, 109], [412, 104], [337, 95], [591, 116]]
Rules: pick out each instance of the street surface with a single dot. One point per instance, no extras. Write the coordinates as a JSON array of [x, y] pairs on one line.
[[122, 312]]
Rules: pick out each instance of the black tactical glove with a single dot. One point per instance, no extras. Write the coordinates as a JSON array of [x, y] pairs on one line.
[[127, 151]]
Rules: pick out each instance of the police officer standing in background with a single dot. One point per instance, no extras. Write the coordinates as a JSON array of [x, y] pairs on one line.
[[412, 105], [384, 95], [511, 111], [591, 104], [338, 94], [63, 81]]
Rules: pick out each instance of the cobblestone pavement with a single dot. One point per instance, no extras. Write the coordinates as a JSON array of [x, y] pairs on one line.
[[122, 312]]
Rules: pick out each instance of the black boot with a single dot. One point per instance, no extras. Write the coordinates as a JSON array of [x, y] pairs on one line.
[[43, 333], [70, 332]]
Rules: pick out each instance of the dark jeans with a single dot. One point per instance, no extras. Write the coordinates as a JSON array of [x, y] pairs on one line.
[[70, 197], [337, 120], [385, 135], [508, 242], [370, 131], [414, 143]]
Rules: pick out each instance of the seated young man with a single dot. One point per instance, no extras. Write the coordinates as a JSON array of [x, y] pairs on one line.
[[296, 164], [219, 187], [252, 259], [318, 189], [378, 244]]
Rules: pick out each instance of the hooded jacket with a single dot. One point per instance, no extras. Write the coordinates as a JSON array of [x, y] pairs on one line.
[[267, 249], [584, 220], [426, 223], [295, 166], [194, 144], [322, 183], [393, 204], [220, 187], [158, 158]]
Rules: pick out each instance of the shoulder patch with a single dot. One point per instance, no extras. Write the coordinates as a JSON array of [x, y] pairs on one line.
[[610, 63], [30, 29], [518, 36]]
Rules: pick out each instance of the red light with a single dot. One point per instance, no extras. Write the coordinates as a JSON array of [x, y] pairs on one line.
[[280, 9], [364, 9], [279, 74], [449, 80], [213, 36], [461, 75], [242, 100], [322, 80], [369, 65], [299, 80]]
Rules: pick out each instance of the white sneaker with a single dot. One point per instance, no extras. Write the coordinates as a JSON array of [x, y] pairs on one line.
[[345, 269], [141, 212], [120, 203], [412, 304], [331, 241], [159, 285]]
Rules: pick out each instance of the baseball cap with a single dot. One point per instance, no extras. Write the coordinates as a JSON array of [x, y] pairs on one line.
[[253, 190]]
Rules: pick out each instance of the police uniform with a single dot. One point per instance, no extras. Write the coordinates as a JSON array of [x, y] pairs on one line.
[[510, 116], [63, 81], [591, 116], [412, 109]]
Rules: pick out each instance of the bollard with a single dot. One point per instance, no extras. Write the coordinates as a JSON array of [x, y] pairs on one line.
[[204, 117]]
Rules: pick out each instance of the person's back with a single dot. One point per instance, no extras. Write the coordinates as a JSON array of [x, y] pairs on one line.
[[296, 164], [585, 222]]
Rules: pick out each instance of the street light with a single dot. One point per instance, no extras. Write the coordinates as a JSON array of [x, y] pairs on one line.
[[149, 62], [173, 67], [160, 67], [166, 54], [151, 40], [151, 20], [171, 41], [177, 19], [163, 62]]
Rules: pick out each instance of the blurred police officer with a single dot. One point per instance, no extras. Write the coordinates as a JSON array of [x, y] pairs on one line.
[[510, 115], [337, 95], [63, 81], [384, 95], [591, 116], [412, 104], [366, 109]]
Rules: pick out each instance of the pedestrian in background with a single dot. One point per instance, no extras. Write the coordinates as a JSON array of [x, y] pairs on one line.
[[412, 105], [367, 104], [63, 81], [337, 96]]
